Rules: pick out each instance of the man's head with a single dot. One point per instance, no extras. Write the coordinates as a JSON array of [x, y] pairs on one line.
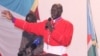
[[31, 17], [56, 11]]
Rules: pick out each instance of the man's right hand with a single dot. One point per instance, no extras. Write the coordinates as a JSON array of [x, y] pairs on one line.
[[7, 14]]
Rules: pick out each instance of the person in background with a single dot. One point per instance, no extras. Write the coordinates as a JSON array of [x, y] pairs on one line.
[[26, 48], [57, 32]]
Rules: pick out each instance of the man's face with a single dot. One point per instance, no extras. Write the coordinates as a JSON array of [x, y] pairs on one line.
[[56, 11]]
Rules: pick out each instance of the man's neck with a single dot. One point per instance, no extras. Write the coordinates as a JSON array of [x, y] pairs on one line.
[[57, 19]]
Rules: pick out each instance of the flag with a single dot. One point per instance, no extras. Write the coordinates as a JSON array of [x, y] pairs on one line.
[[35, 10], [91, 34], [21, 7]]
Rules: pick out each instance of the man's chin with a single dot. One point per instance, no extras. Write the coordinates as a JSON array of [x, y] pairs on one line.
[[53, 17]]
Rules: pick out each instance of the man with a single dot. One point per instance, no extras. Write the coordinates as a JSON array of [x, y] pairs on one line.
[[26, 48], [56, 31]]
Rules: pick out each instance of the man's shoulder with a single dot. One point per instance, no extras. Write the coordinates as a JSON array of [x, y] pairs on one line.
[[67, 22]]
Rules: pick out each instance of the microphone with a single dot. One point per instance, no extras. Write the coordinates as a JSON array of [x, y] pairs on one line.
[[49, 24], [36, 42], [49, 19]]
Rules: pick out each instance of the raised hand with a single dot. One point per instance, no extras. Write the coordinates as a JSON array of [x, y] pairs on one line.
[[7, 14]]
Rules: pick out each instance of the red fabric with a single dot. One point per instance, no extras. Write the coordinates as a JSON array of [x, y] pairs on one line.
[[88, 38], [37, 13], [64, 55], [0, 54], [61, 35]]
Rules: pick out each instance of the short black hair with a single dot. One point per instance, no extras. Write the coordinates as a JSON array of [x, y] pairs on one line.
[[31, 17]]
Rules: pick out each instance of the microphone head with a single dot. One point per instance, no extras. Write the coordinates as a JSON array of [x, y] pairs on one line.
[[49, 19]]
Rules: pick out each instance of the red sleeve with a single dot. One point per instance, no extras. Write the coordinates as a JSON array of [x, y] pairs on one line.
[[65, 37], [36, 28]]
